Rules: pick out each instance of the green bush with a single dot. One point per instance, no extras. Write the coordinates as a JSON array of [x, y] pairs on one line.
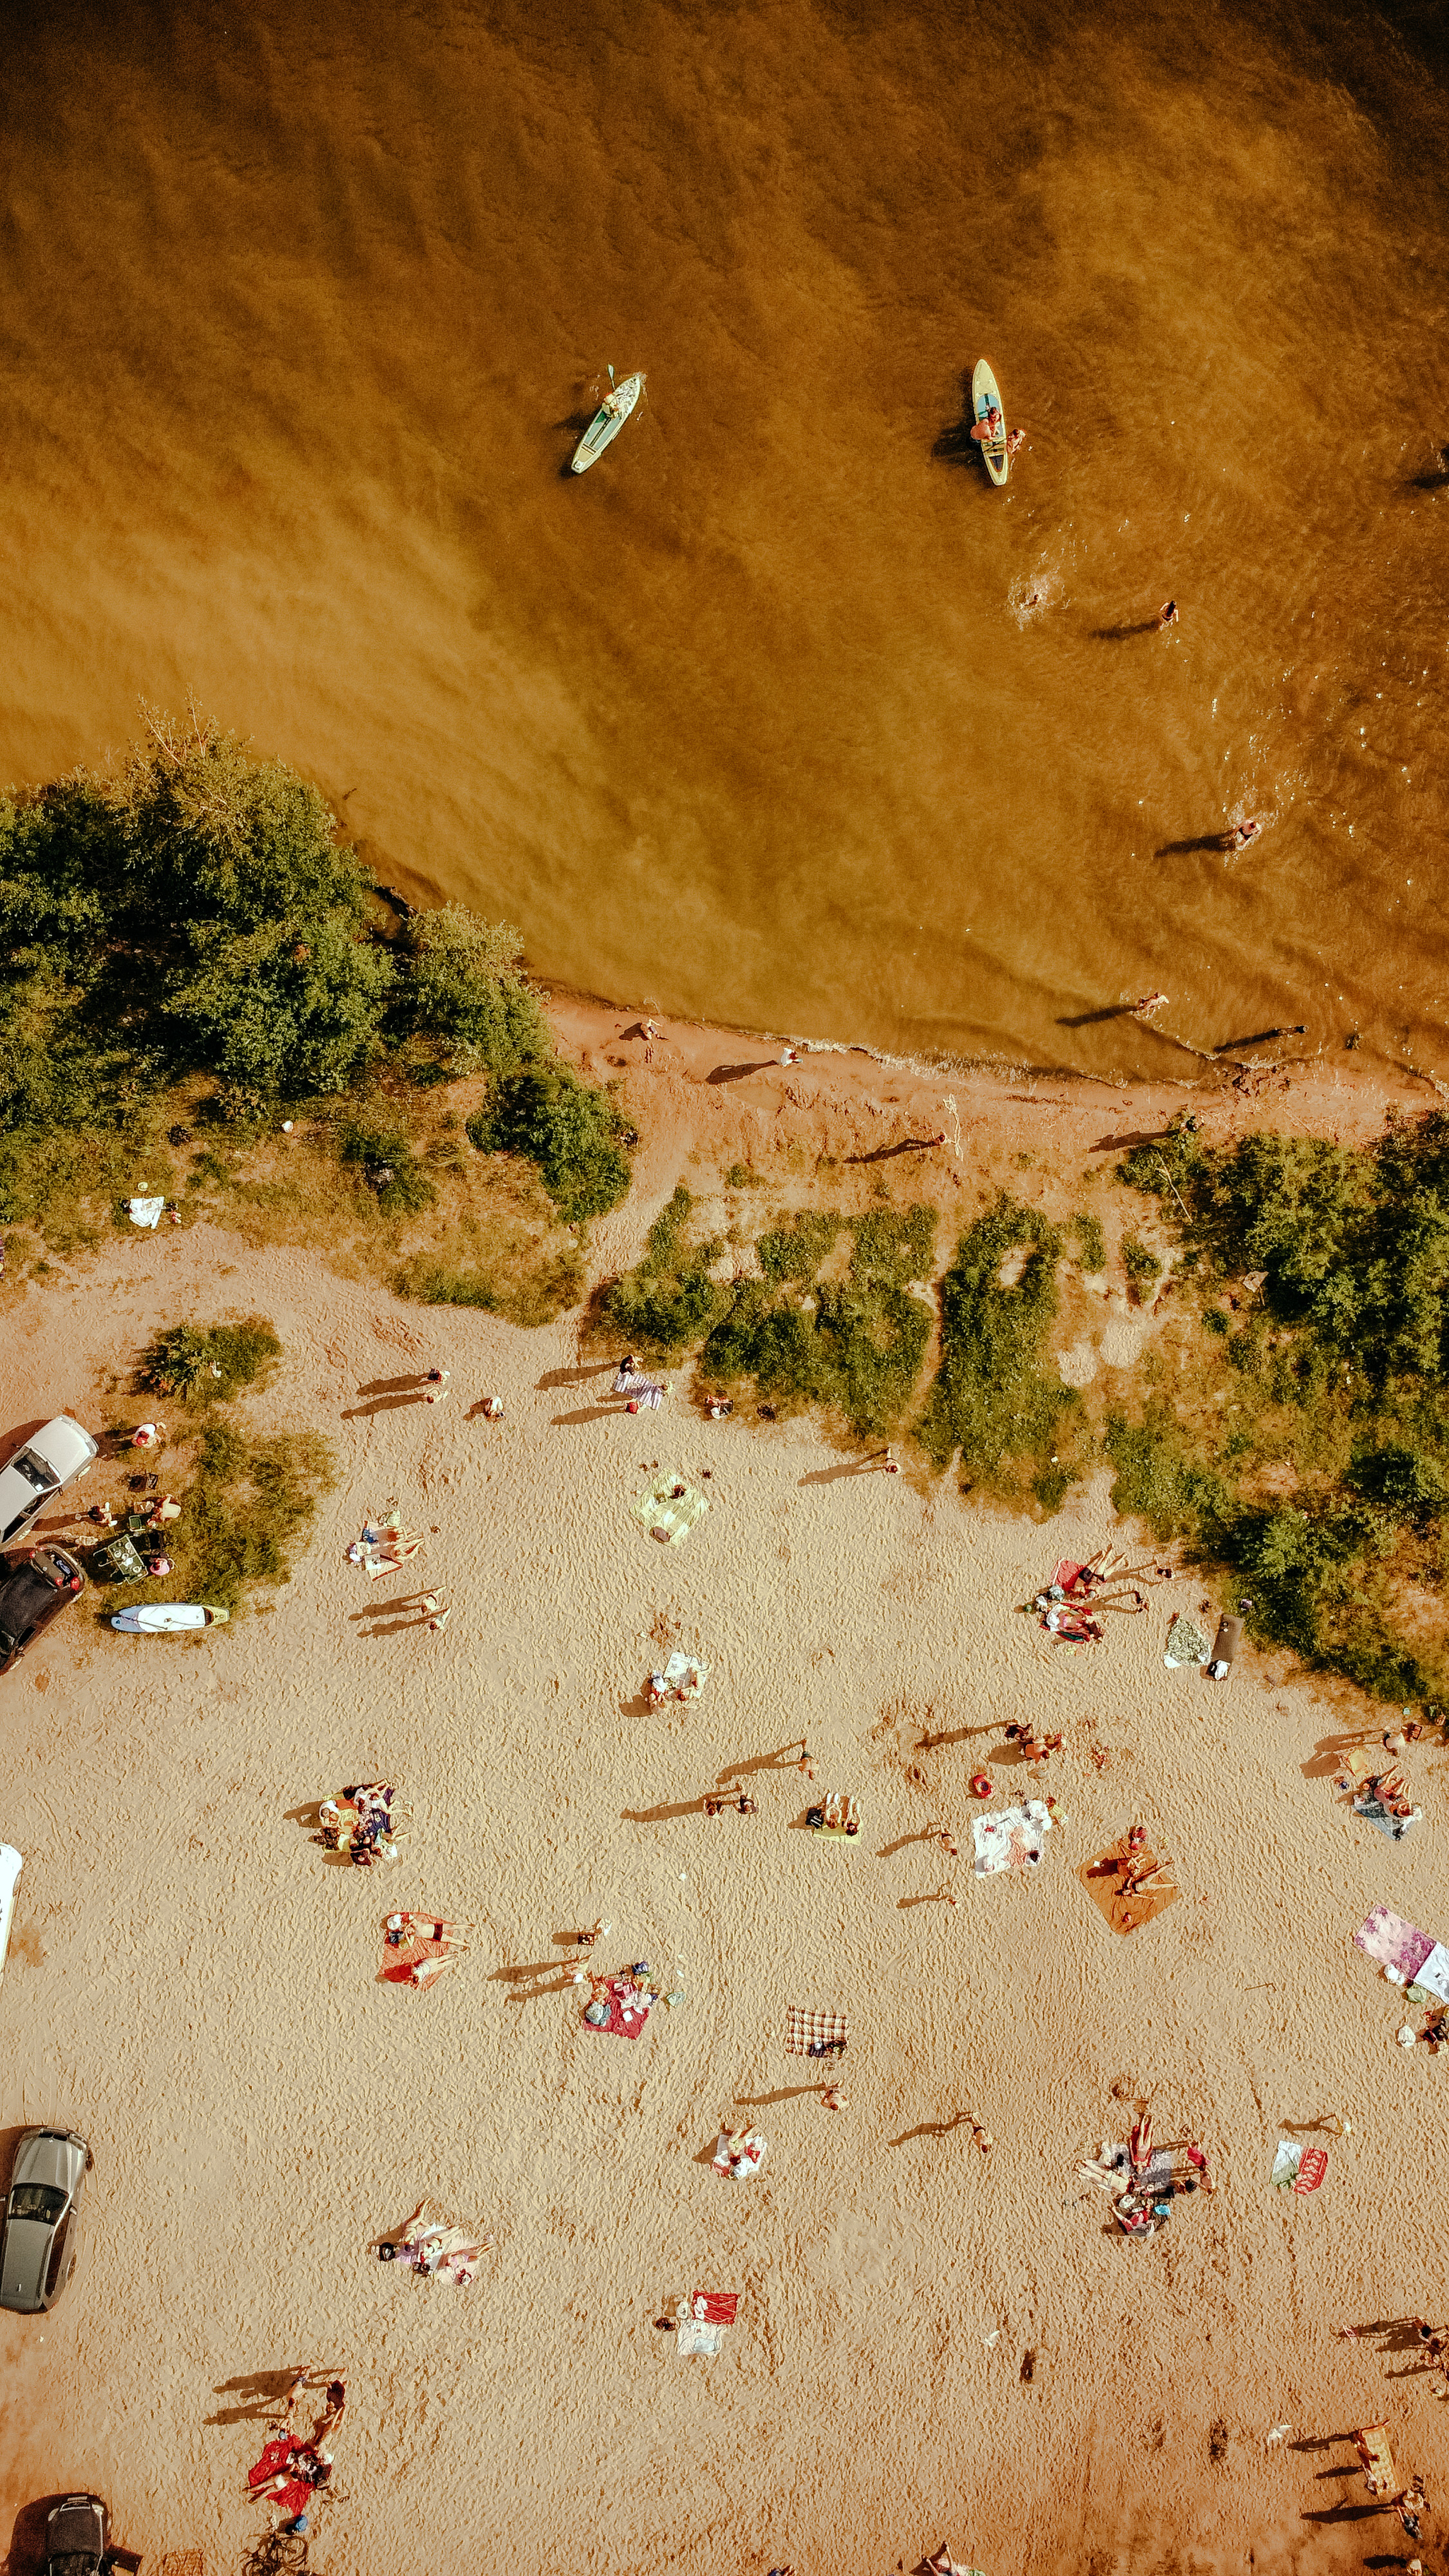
[[1142, 1267], [463, 983], [208, 1364], [990, 1398], [1091, 1241], [668, 1302], [569, 1129], [387, 1163], [796, 1251], [854, 1348]]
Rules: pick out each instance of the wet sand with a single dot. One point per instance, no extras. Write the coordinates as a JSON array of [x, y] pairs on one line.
[[193, 1984]]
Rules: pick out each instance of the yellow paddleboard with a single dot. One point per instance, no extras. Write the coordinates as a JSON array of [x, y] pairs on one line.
[[985, 398]]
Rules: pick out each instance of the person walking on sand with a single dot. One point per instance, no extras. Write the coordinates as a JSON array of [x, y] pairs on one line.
[[436, 1390], [1149, 1003], [832, 2097], [1242, 833]]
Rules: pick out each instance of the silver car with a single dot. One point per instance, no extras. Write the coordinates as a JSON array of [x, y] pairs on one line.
[[40, 1470], [42, 2213]]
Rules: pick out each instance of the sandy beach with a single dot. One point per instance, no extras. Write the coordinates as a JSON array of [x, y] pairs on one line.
[[194, 1985]]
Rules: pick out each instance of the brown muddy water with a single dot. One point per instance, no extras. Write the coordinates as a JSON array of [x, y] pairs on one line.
[[780, 715]]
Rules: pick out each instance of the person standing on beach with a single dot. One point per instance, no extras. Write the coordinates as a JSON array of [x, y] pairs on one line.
[[1166, 615]]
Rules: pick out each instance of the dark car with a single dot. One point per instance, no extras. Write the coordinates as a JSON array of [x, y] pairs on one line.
[[34, 1589], [77, 2537], [40, 2228]]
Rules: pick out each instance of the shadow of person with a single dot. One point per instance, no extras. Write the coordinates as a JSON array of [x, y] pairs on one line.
[[1204, 841], [1120, 634], [661, 1815], [929, 2129], [764, 2101], [850, 1467], [1435, 480], [954, 445], [587, 1413], [552, 1378], [737, 1072], [1090, 1019], [262, 2394]]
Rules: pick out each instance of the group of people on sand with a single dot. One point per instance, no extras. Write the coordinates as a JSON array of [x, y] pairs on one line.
[[360, 1821], [291, 2469], [435, 2250]]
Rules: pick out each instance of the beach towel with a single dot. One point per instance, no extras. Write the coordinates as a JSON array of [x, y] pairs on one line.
[[296, 2495], [145, 1212], [1225, 1646], [1186, 1643], [628, 2010], [1433, 1973], [411, 1951], [1374, 1812], [1125, 1911], [1312, 2166], [692, 2336], [1287, 2157], [1386, 1936], [716, 2307], [274, 2458], [667, 1514], [809, 2032], [1372, 2445], [1066, 1574], [751, 2153], [686, 1673], [1011, 1839]]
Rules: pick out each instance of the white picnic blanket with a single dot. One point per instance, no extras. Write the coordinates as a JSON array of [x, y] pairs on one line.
[[1011, 1839], [691, 2336], [1434, 1973], [145, 1211]]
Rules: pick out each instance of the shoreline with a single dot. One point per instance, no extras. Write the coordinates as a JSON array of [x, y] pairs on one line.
[[1347, 1101]]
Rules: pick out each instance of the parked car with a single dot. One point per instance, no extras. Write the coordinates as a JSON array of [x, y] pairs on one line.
[[33, 1591], [42, 2210], [56, 1457], [78, 2537]]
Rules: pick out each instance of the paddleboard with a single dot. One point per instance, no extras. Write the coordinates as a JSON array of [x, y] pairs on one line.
[[984, 395], [607, 422]]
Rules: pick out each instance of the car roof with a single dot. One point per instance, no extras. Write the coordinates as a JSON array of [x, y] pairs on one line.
[[25, 1596]]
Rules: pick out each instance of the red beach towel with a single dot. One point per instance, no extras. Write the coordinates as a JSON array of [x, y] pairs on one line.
[[274, 2457], [398, 1964], [1313, 2165], [715, 2307], [621, 1991]]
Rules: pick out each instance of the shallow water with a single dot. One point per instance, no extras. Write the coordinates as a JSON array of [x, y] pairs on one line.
[[780, 715]]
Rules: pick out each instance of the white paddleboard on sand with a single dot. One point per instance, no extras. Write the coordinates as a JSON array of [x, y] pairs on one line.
[[985, 398], [162, 1618], [607, 422]]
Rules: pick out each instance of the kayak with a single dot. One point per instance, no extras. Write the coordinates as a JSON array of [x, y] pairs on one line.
[[607, 422], [160, 1618], [984, 395]]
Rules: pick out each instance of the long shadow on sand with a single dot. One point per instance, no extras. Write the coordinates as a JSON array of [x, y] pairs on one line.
[[737, 1072]]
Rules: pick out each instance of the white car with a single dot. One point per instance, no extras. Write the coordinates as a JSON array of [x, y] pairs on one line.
[[56, 1457]]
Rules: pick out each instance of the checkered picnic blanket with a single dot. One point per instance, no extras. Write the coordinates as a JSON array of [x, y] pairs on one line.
[[807, 2029]]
